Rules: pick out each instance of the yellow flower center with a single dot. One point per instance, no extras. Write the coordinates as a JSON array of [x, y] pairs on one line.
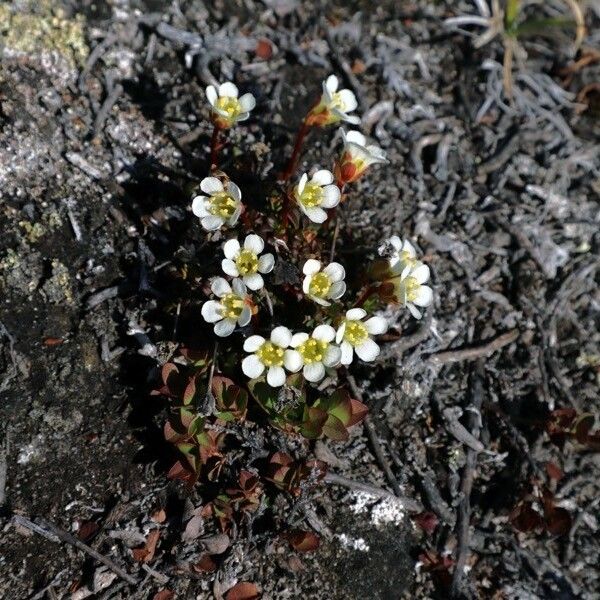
[[232, 306], [320, 285], [312, 350], [229, 105], [247, 262], [411, 286], [312, 195], [355, 333], [222, 205], [270, 355], [337, 102]]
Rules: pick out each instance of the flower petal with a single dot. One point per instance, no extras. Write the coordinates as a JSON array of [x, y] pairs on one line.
[[325, 333], [211, 94], [211, 311], [315, 214], [231, 249], [337, 290], [220, 287], [266, 263], [306, 283], [234, 190], [414, 311], [339, 334], [292, 361], [355, 137], [396, 242], [424, 296], [247, 102], [211, 223], [311, 266], [335, 271], [254, 281], [348, 100], [298, 338], [332, 356], [228, 89], [252, 367], [331, 84], [331, 196], [347, 353], [224, 328], [245, 316], [356, 314], [320, 301], [211, 185], [229, 268], [420, 273], [281, 336], [199, 207], [322, 177], [368, 350], [314, 372], [276, 376], [235, 216], [253, 343], [409, 248], [376, 325], [254, 243], [302, 183], [239, 287], [352, 119]]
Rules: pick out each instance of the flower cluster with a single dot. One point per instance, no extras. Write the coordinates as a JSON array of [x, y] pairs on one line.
[[334, 334]]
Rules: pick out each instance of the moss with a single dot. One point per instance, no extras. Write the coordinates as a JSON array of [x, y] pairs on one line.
[[43, 27]]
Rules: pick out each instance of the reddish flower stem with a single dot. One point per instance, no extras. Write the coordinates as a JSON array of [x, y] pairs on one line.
[[302, 133], [214, 147]]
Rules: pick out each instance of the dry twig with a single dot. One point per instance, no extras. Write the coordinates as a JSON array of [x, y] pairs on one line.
[[475, 352]]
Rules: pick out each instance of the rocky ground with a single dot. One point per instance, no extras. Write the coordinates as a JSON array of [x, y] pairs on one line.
[[484, 411]]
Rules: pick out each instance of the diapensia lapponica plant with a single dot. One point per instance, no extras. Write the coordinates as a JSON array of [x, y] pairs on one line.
[[288, 319]]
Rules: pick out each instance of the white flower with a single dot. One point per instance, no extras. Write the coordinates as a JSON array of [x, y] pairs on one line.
[[227, 108], [221, 206], [323, 285], [315, 352], [317, 194], [357, 157], [334, 105], [353, 334], [273, 355], [245, 262], [401, 256], [409, 288], [232, 308]]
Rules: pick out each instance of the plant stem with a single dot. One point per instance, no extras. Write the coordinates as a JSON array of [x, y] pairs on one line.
[[302, 133], [214, 147]]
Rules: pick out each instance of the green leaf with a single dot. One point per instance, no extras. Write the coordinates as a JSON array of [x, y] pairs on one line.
[[264, 394], [189, 393], [542, 26], [335, 429], [513, 7]]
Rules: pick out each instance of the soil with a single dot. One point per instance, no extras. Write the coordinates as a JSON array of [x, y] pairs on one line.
[[104, 139]]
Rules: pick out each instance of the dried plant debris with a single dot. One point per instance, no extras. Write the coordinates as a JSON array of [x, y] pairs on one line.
[[475, 473]]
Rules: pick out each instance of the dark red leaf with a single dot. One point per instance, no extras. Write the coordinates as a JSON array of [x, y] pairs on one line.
[[554, 472], [427, 521], [87, 530], [243, 591], [303, 541], [164, 595]]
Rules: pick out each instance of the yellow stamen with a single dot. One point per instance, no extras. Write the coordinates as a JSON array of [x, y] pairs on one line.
[[229, 105], [232, 306], [270, 355], [355, 333], [222, 205], [247, 262], [320, 285], [312, 350], [312, 195]]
